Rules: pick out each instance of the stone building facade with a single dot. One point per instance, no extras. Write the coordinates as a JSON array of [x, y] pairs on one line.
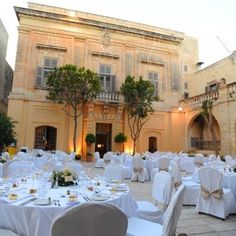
[[6, 73], [114, 48]]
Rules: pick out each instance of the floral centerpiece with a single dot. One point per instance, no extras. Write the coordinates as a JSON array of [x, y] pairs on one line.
[[2, 160], [65, 177]]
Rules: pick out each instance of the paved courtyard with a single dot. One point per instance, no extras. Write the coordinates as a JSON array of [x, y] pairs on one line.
[[190, 222]]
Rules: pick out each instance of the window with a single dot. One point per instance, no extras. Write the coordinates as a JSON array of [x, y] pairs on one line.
[[107, 80], [185, 68], [43, 72], [185, 85], [153, 78]]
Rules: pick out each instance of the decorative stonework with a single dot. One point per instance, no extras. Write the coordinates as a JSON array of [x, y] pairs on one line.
[[46, 111], [106, 39]]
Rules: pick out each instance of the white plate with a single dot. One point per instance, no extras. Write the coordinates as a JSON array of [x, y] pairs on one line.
[[42, 202], [98, 198]]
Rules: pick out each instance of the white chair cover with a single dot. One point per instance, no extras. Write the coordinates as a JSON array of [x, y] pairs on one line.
[[91, 219], [18, 168], [5, 168], [22, 156], [6, 155], [162, 190], [139, 172], [6, 232], [175, 172], [214, 199], [100, 163], [164, 163], [140, 227], [40, 162], [113, 172]]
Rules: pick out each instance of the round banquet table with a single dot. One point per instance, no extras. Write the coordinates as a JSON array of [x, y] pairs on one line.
[[34, 218]]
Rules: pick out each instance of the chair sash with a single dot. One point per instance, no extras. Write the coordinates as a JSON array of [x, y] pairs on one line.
[[161, 206], [164, 169], [218, 193], [198, 164], [139, 170], [107, 161], [177, 184]]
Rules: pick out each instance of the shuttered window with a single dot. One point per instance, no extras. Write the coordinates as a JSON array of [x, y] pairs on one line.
[[43, 72], [107, 80], [153, 78]]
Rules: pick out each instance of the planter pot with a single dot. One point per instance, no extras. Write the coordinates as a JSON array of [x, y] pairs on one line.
[[89, 158]]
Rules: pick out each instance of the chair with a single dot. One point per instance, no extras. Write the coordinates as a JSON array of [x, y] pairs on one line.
[[140, 227], [214, 199], [162, 193], [100, 163], [113, 172], [139, 172], [7, 232], [175, 172], [90, 219], [107, 157], [163, 165]]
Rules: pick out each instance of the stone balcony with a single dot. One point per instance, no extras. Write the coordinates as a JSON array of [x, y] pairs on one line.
[[109, 97], [225, 92]]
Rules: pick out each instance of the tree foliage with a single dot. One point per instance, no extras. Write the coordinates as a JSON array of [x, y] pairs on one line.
[[74, 87], [120, 138], [139, 96], [7, 130]]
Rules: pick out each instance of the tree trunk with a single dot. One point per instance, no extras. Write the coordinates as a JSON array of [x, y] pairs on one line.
[[134, 146], [75, 130]]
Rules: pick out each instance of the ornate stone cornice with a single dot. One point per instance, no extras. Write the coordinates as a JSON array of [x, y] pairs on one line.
[[98, 24]]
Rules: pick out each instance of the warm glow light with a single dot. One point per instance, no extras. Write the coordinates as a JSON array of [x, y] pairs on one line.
[[180, 108], [99, 145]]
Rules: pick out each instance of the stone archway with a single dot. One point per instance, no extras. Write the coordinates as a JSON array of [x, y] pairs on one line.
[[199, 134], [45, 138]]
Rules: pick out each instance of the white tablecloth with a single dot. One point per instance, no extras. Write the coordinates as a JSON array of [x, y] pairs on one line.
[[35, 220]]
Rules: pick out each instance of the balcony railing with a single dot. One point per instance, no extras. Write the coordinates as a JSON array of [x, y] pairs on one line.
[[196, 101], [205, 145], [112, 97]]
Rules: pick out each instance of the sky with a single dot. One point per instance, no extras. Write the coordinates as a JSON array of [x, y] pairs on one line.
[[212, 22]]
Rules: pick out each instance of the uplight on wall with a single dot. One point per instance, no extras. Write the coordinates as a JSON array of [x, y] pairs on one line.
[[180, 109]]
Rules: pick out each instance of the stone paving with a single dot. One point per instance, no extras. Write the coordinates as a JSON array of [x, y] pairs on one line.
[[190, 222]]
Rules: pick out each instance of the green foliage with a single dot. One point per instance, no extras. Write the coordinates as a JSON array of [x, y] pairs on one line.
[[7, 130], [74, 87], [120, 138], [90, 138], [139, 96], [206, 105]]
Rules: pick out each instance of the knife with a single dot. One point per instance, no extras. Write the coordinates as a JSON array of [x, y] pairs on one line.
[[28, 201]]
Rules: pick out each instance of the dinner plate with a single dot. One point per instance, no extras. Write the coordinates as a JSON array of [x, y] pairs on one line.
[[42, 202], [98, 198]]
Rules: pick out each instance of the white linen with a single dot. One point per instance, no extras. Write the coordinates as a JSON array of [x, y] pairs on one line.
[[91, 219], [17, 217], [140, 227], [221, 206], [6, 232], [114, 172], [139, 172], [99, 162]]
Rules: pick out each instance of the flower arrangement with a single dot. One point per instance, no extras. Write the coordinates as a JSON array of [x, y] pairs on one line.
[[65, 177], [2, 160]]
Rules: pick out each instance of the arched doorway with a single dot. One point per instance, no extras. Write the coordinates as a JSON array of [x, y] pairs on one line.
[[45, 138], [152, 144], [201, 136]]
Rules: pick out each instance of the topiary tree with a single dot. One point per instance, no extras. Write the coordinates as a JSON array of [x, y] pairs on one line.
[[74, 87], [139, 96], [90, 139], [7, 130], [120, 138]]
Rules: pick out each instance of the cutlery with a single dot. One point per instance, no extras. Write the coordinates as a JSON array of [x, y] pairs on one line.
[[28, 201]]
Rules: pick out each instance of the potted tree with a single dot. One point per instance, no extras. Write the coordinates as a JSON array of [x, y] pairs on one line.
[[120, 138], [89, 139]]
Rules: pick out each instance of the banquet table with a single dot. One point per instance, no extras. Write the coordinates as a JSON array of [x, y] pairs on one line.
[[32, 215]]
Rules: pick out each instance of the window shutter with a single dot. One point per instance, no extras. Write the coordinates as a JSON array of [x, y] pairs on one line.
[[113, 83], [39, 76]]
